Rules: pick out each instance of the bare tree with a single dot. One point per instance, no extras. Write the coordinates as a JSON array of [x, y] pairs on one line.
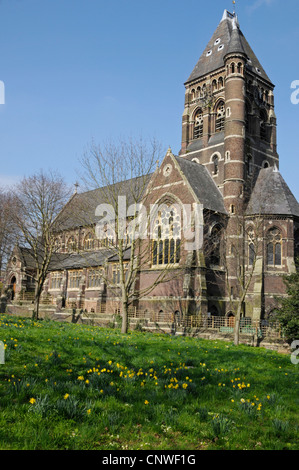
[[8, 229], [38, 201], [121, 172], [235, 254]]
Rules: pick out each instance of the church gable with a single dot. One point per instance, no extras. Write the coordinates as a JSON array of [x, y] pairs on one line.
[[188, 181], [169, 182]]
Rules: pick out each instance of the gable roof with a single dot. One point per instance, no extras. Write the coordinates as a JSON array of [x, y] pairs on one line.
[[202, 184], [271, 195], [232, 40], [80, 210]]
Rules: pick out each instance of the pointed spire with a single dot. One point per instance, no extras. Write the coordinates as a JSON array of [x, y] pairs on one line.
[[235, 43], [227, 38]]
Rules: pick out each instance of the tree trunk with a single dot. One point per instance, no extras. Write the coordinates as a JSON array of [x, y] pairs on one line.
[[35, 313], [237, 331], [237, 324], [37, 294], [124, 326]]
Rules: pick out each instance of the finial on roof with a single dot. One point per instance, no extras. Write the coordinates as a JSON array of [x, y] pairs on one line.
[[224, 16], [76, 187], [227, 15], [275, 169]]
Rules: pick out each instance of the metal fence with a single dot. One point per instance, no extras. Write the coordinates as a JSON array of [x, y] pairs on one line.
[[217, 324]]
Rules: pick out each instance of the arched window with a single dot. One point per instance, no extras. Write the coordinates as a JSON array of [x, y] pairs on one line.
[[198, 125], [251, 254], [215, 240], [71, 244], [263, 124], [214, 85], [220, 117], [166, 236], [249, 165], [57, 245], [232, 67], [220, 82], [215, 161], [274, 247], [89, 242], [107, 237]]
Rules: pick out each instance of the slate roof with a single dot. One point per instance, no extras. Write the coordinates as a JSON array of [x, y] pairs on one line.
[[271, 195], [60, 261], [80, 210], [202, 184], [79, 260], [232, 40]]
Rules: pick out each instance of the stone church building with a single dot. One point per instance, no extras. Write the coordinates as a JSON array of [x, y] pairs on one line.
[[228, 164]]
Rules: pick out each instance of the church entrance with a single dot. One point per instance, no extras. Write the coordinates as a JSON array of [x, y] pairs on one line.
[[231, 319]]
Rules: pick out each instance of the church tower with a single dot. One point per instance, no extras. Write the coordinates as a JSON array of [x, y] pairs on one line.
[[229, 124]]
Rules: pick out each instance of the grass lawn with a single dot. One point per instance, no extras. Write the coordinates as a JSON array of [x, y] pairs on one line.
[[67, 386]]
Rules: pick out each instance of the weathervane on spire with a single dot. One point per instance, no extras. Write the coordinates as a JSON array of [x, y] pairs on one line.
[[234, 4]]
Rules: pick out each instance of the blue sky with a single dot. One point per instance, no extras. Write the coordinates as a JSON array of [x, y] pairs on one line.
[[82, 70]]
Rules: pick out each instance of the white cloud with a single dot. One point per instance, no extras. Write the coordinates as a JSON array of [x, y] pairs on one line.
[[259, 3]]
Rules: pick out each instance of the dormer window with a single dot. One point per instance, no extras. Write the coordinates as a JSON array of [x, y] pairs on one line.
[[220, 47], [217, 41], [209, 53]]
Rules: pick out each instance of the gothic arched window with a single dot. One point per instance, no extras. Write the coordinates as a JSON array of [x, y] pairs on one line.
[[274, 247], [251, 254], [215, 161], [220, 117], [89, 242], [71, 244], [215, 240], [263, 124], [166, 236], [249, 165], [198, 125]]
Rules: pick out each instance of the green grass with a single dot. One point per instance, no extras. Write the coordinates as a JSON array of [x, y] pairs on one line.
[[67, 386]]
